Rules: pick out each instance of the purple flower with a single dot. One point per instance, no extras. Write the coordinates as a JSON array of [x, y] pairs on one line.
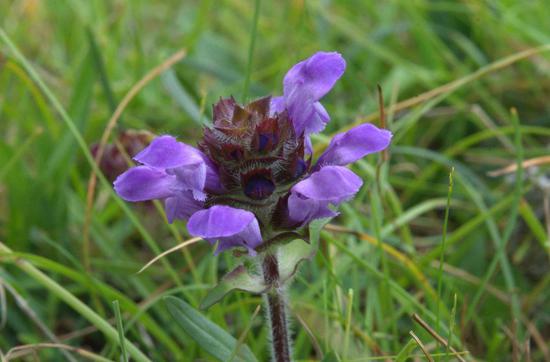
[[238, 227], [250, 181], [304, 85]]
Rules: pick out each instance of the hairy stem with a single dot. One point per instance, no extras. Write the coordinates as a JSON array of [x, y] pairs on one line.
[[280, 338]]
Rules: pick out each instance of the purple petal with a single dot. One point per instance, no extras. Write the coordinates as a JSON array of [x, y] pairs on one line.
[[308, 146], [243, 239], [306, 83], [212, 182], [303, 210], [301, 111], [307, 116], [167, 152], [333, 184], [193, 169], [310, 198], [228, 225], [317, 119], [354, 144], [181, 206], [143, 183], [315, 75], [192, 177], [321, 112], [277, 105], [219, 221]]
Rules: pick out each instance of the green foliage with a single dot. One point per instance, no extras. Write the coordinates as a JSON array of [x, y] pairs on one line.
[[77, 61], [289, 256], [207, 334], [237, 279]]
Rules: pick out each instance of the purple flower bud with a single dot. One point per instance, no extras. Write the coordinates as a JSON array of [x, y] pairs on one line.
[[115, 160]]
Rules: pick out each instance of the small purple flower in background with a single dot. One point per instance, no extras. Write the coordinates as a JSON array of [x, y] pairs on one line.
[[251, 181]]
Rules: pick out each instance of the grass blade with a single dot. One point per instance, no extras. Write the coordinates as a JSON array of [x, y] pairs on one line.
[[75, 303], [211, 337], [405, 353], [84, 147], [251, 49], [443, 242], [120, 330]]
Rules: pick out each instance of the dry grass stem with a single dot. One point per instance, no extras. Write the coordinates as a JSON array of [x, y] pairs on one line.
[[171, 250]]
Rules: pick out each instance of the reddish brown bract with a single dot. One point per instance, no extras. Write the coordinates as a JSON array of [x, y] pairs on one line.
[[258, 155]]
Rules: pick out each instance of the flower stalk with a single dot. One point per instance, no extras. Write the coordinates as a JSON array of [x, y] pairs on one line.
[[276, 309]]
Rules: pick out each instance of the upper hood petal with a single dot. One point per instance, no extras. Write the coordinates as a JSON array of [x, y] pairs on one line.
[[303, 86], [315, 75]]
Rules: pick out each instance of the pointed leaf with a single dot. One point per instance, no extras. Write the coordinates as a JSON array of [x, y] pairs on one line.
[[293, 253], [211, 337], [238, 279]]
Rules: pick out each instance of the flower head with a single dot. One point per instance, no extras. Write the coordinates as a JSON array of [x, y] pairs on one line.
[[251, 182]]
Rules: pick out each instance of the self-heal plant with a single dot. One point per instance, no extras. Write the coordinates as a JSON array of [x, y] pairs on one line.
[[252, 183]]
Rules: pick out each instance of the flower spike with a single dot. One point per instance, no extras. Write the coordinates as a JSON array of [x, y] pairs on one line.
[[250, 183]]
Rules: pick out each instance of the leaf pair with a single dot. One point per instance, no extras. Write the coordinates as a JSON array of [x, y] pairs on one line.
[[289, 257]]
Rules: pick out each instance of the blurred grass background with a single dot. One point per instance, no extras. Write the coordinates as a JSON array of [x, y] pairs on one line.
[[355, 300]]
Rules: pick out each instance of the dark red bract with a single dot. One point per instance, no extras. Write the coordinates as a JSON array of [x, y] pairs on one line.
[[258, 155]]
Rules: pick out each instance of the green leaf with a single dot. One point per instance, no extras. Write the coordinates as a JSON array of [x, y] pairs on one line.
[[238, 279], [211, 337], [292, 254], [315, 231]]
